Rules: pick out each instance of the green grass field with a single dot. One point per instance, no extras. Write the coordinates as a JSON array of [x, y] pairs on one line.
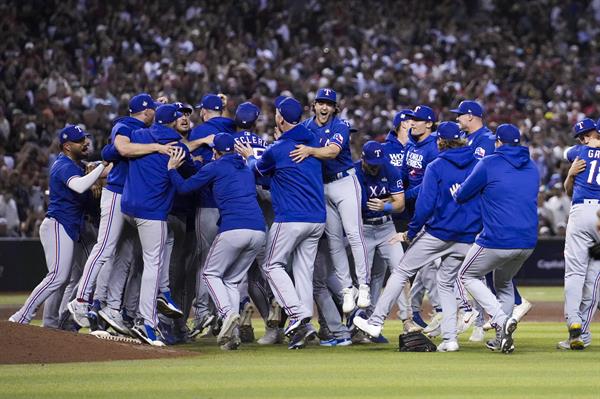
[[535, 370]]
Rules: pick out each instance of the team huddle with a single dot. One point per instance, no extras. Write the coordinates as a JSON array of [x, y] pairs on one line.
[[205, 222]]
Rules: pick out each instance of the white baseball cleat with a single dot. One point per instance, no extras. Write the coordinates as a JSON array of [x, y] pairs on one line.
[[478, 335], [229, 324], [465, 320], [434, 324], [115, 319], [273, 335], [364, 296], [79, 311], [12, 319], [519, 311], [364, 326], [349, 304], [448, 346]]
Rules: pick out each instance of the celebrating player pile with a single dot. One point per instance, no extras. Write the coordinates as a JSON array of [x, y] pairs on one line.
[[213, 218]]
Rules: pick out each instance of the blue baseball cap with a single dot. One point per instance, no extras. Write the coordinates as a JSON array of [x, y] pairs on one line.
[[167, 113], [401, 117], [246, 114], [212, 102], [182, 107], [278, 100], [291, 110], [71, 133], [223, 142], [508, 133], [373, 153], [422, 113], [584, 125], [326, 94], [449, 131], [469, 107], [141, 102]]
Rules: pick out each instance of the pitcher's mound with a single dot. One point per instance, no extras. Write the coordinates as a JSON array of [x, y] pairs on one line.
[[30, 344]]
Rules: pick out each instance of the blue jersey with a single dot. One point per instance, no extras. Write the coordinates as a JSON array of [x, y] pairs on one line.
[[148, 192], [66, 206], [416, 159], [215, 125], [508, 183], [116, 178], [258, 147], [234, 189], [386, 183], [482, 142], [435, 209], [335, 132], [587, 183], [297, 190]]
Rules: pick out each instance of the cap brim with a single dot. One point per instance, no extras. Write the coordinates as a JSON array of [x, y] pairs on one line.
[[577, 134], [457, 111], [188, 109], [325, 100], [375, 162]]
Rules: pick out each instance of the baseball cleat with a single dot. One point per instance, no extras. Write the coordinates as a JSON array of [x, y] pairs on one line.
[[114, 318], [305, 333], [448, 346], [493, 345], [364, 326], [231, 345], [229, 324], [200, 325], [566, 345], [79, 311], [411, 326], [146, 333], [575, 341], [380, 340], [434, 324], [294, 325], [465, 320], [343, 342], [274, 317], [478, 335], [12, 319], [349, 303], [328, 342], [246, 329], [166, 306], [272, 336], [506, 340], [364, 296], [519, 311]]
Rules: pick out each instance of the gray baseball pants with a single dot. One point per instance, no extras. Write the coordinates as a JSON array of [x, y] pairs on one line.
[[206, 231], [343, 202], [580, 236], [425, 281], [297, 243], [505, 263], [424, 249]]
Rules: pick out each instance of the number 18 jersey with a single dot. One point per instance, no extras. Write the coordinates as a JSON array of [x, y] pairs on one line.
[[587, 183]]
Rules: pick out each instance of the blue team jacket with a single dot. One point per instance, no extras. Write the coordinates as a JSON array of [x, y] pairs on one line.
[[435, 209], [508, 183], [215, 125], [296, 188], [116, 178], [148, 192], [234, 189]]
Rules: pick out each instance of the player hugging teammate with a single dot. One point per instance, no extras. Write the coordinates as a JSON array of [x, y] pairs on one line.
[[212, 218]]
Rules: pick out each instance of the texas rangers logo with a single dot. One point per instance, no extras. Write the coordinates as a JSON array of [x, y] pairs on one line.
[[396, 159], [327, 92], [479, 152], [340, 138], [580, 125]]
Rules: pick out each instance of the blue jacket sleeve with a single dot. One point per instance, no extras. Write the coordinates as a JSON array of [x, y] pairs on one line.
[[425, 205], [266, 164], [110, 153], [413, 193], [474, 183], [203, 177]]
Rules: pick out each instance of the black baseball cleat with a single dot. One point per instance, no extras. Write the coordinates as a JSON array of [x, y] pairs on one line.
[[305, 333], [506, 340], [294, 325]]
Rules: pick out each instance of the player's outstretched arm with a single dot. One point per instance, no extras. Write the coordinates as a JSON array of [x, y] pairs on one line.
[[474, 183], [80, 184], [131, 150], [302, 152]]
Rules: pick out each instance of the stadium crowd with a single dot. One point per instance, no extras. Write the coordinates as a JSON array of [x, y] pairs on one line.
[[531, 63]]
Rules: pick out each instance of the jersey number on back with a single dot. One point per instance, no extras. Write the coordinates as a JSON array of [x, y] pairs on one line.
[[593, 171]]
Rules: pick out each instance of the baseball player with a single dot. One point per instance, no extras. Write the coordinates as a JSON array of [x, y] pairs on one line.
[[507, 182], [141, 110], [207, 215], [582, 274], [439, 229], [469, 115], [60, 230], [241, 229], [147, 198], [416, 159], [299, 206], [383, 195], [343, 195]]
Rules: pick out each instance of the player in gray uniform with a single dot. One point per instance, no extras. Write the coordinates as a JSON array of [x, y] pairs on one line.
[[507, 183], [299, 205], [60, 230], [582, 273], [343, 195]]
